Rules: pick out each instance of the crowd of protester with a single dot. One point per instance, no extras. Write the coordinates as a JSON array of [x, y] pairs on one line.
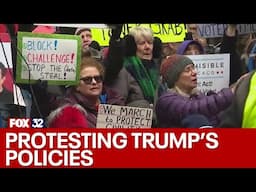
[[139, 70]]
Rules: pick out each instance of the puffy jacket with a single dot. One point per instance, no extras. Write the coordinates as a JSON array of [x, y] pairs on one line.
[[172, 108]]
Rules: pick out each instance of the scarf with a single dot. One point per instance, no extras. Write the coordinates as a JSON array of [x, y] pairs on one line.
[[146, 76]]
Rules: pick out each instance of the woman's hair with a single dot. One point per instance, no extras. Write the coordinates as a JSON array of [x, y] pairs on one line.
[[139, 32], [92, 62], [91, 52]]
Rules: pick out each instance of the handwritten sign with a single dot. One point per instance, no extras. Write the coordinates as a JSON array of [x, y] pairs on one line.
[[52, 57], [115, 116], [102, 32], [212, 71], [166, 32]]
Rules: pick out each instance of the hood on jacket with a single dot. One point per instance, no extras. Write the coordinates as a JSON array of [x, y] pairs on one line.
[[184, 45]]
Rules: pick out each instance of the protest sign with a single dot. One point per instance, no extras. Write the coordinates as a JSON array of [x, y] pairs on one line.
[[52, 57], [212, 71], [115, 116]]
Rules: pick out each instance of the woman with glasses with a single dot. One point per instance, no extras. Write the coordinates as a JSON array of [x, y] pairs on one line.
[[90, 92], [182, 99]]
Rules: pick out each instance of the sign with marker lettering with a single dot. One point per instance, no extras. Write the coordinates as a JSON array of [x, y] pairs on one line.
[[166, 32], [101, 33], [116, 116], [52, 57]]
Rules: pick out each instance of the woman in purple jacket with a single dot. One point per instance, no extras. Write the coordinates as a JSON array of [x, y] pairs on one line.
[[183, 99]]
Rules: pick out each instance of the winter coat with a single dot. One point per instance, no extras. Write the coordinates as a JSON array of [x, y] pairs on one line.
[[229, 46], [129, 88], [74, 97], [172, 108], [233, 116], [118, 77]]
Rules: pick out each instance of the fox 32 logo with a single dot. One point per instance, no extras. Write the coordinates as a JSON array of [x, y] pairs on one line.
[[26, 123]]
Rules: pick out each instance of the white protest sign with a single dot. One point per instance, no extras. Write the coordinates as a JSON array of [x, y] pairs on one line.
[[217, 30], [212, 71], [6, 54], [115, 116], [6, 80], [52, 57], [18, 97]]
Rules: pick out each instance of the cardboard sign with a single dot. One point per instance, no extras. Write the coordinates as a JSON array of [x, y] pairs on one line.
[[115, 116]]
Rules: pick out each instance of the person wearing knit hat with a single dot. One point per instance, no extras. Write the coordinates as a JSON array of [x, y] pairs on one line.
[[81, 29], [71, 116], [182, 98], [196, 121], [172, 67], [86, 36]]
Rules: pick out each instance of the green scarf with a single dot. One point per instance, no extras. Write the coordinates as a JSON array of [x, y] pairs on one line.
[[147, 77]]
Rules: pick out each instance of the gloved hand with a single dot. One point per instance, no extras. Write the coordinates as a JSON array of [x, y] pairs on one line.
[[116, 31], [40, 89], [157, 47], [130, 46], [95, 45], [40, 99], [42, 83], [188, 36]]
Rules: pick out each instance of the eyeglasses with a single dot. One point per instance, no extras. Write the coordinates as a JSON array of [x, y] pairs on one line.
[[88, 80], [189, 68]]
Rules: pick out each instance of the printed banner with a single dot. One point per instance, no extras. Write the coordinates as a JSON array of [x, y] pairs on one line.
[[213, 71], [217, 30], [126, 148]]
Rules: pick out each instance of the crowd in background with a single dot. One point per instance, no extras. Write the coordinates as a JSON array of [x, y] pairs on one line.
[[139, 70]]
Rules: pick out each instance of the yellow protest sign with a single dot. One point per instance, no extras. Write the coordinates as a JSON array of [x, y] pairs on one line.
[[166, 32]]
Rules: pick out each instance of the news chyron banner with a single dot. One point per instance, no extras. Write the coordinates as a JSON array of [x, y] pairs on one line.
[[22, 146]]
